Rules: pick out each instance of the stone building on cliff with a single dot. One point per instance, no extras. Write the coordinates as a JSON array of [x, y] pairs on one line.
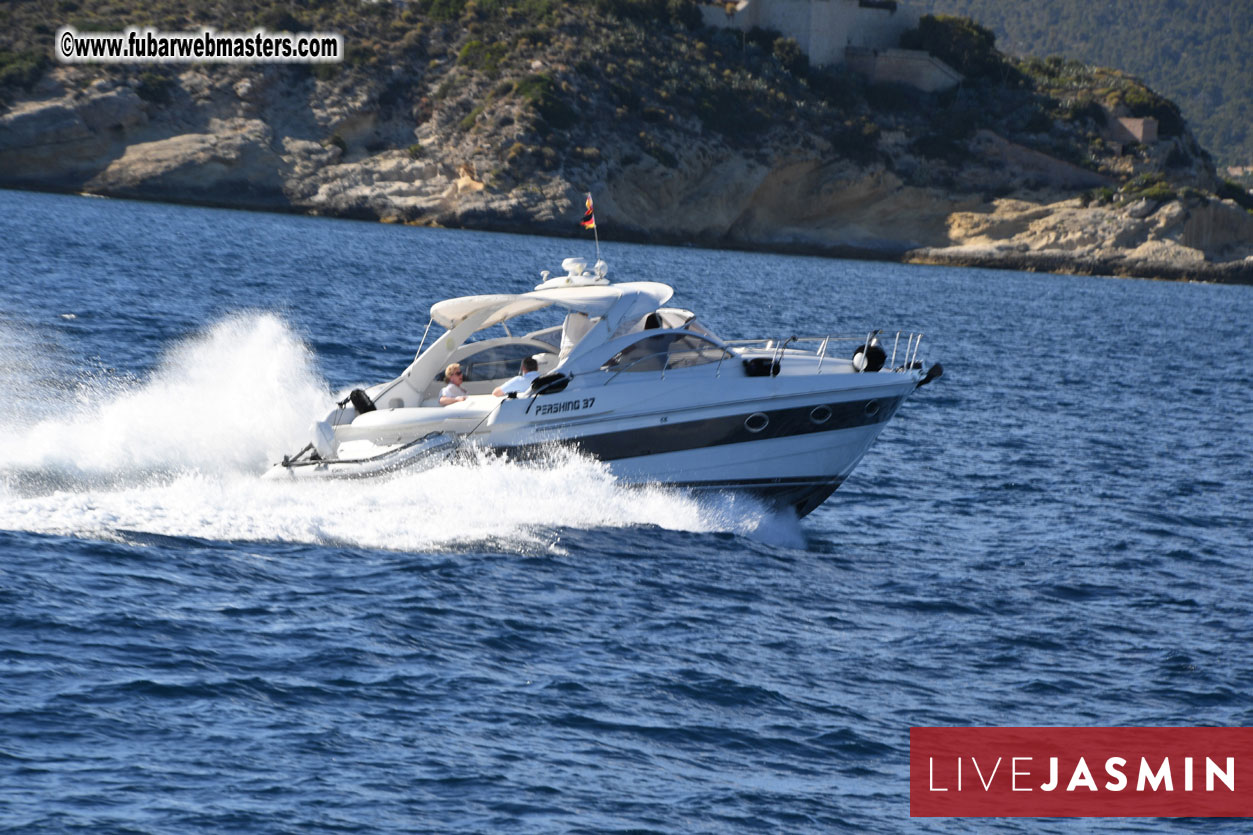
[[861, 34]]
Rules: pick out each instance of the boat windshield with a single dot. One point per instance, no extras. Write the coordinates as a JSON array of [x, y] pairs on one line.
[[666, 351]]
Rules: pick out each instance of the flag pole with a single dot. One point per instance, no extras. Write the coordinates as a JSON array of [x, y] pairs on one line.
[[596, 237]]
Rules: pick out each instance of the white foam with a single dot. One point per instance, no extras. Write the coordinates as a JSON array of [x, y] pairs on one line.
[[488, 502], [179, 454], [229, 400]]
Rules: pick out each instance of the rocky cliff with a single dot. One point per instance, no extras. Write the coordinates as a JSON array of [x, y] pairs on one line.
[[708, 141]]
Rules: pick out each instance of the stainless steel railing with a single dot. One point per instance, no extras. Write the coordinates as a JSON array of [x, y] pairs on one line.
[[833, 345]]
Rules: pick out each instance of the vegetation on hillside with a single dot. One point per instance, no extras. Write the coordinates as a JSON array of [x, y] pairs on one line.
[[1195, 51], [545, 83]]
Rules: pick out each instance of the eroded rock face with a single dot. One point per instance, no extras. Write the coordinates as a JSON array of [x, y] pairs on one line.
[[1192, 238], [797, 201], [232, 160], [260, 138], [57, 142]]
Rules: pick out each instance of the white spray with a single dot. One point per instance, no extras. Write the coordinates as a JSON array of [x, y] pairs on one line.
[[179, 454]]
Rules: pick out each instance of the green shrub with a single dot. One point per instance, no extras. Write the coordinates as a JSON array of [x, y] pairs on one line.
[[1102, 196], [154, 87], [534, 87], [1190, 193], [324, 72], [540, 91], [486, 58], [1153, 186], [473, 116], [444, 11], [791, 57], [1230, 190], [448, 86], [538, 9], [959, 42], [21, 69]]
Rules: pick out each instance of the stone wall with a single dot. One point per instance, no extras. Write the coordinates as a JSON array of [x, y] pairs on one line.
[[1128, 129]]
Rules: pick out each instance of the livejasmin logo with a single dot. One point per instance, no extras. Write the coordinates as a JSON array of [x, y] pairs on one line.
[[1081, 776], [1081, 772]]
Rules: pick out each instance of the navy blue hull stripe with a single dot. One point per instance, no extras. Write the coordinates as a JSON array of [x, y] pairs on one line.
[[720, 431]]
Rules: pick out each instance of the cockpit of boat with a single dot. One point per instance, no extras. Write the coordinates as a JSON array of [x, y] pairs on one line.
[[611, 327], [605, 329]]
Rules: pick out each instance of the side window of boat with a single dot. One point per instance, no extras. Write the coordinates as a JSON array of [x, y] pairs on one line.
[[494, 363], [666, 350], [689, 350], [647, 354]]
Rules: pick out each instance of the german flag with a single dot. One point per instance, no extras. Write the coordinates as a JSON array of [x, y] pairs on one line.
[[589, 218]]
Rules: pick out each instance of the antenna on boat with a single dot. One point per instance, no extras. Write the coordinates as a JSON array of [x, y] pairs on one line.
[[589, 222]]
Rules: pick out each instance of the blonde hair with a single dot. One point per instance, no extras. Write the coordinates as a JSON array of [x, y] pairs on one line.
[[453, 368]]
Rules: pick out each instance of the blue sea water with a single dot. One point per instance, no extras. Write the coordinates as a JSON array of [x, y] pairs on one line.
[[1057, 532]]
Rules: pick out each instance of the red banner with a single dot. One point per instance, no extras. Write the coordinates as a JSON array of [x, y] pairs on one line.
[[1081, 772]]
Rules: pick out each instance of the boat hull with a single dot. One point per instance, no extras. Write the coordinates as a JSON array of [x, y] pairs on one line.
[[791, 455]]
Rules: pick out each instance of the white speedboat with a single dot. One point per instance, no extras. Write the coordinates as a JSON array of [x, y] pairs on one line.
[[624, 378]]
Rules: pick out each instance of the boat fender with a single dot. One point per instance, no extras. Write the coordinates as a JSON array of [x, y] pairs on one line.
[[761, 367], [550, 383], [361, 401], [869, 358], [323, 439], [933, 373]]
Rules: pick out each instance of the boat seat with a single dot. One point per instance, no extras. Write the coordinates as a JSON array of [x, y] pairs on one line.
[[474, 402], [483, 402], [459, 418]]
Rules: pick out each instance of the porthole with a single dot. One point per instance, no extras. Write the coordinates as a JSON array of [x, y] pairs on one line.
[[820, 414], [872, 408], [756, 422]]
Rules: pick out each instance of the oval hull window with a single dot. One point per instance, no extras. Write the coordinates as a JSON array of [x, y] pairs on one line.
[[756, 422]]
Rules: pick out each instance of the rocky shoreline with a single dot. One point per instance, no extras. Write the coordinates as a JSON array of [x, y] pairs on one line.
[[1234, 272], [254, 140]]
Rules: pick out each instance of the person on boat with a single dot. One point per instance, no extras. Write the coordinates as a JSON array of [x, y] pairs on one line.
[[519, 384], [453, 392]]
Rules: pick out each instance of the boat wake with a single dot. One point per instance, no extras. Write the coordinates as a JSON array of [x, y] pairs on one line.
[[224, 401], [179, 452]]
